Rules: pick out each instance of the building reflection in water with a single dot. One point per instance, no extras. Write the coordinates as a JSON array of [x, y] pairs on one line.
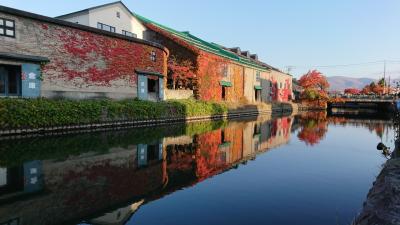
[[111, 175]]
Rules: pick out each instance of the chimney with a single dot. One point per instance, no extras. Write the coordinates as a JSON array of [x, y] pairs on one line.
[[246, 54], [254, 56], [235, 50]]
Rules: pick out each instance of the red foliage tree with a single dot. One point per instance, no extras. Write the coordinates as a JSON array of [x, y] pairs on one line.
[[374, 88], [352, 91], [315, 86], [314, 80]]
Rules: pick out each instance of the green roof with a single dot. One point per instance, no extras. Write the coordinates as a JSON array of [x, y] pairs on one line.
[[204, 45], [258, 87]]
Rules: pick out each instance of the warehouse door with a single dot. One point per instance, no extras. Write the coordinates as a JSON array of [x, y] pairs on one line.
[[142, 87]]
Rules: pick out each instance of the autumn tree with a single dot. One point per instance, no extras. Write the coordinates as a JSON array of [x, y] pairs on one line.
[[180, 74], [375, 88], [315, 86], [366, 90], [352, 91]]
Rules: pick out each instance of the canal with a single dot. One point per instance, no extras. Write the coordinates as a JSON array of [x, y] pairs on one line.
[[305, 169]]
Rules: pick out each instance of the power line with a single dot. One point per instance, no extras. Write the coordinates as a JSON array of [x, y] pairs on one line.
[[347, 65]]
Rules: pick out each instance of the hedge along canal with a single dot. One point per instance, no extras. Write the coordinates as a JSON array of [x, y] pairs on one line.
[[39, 116]]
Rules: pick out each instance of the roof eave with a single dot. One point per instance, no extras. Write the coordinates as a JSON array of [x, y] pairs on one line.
[[95, 7]]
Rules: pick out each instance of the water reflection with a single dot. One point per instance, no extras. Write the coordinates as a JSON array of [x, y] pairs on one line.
[[314, 125], [104, 178]]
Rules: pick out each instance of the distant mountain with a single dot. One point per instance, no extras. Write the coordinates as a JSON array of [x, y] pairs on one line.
[[339, 83]]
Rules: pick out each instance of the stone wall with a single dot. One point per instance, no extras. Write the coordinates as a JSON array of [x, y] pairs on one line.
[[178, 94], [383, 202], [83, 62]]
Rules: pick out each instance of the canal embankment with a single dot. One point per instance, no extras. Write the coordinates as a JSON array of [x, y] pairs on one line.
[[382, 205], [383, 201], [19, 117]]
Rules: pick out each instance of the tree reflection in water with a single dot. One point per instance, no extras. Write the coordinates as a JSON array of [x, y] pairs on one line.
[[314, 125]]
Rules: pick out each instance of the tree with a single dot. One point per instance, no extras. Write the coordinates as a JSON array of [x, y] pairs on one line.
[[374, 88], [366, 90], [382, 82], [315, 86], [352, 91], [180, 73], [314, 80]]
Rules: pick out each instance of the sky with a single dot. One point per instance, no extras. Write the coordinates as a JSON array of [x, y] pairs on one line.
[[337, 37]]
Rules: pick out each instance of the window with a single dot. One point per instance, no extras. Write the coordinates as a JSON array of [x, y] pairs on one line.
[[225, 70], [10, 80], [7, 27], [153, 56], [105, 27], [258, 76], [118, 14], [129, 34]]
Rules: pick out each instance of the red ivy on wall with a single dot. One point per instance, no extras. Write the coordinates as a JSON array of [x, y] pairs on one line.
[[182, 73], [209, 76], [92, 59]]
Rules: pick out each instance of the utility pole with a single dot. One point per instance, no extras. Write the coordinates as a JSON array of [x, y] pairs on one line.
[[384, 77]]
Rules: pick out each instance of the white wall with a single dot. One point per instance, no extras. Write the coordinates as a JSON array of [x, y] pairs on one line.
[[108, 16], [82, 18]]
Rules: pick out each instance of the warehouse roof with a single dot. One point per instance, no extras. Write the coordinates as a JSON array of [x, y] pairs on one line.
[[204, 45]]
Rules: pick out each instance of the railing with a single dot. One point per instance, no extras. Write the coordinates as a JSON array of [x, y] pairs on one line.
[[365, 98]]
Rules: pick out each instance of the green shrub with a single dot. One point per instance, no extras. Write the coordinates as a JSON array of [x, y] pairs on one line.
[[34, 113]]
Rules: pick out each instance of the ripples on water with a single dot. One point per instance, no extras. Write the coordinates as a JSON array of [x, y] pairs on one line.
[[306, 169]]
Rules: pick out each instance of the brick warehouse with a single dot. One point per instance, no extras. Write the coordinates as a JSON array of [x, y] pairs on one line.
[[45, 57], [221, 73]]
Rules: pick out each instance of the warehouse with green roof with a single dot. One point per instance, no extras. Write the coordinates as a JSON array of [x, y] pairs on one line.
[[216, 72]]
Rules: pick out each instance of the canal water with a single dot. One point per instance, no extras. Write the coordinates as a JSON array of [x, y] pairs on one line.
[[304, 169]]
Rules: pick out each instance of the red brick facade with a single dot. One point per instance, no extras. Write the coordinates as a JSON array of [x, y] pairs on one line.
[[82, 59]]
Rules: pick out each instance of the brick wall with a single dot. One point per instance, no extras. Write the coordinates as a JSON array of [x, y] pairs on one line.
[[83, 63]]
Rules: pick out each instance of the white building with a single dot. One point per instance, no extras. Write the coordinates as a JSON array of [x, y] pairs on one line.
[[114, 17]]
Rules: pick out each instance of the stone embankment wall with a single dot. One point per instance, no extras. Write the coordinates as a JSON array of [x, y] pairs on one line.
[[383, 201]]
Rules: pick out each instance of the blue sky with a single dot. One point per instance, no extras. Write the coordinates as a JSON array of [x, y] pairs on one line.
[[303, 34]]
